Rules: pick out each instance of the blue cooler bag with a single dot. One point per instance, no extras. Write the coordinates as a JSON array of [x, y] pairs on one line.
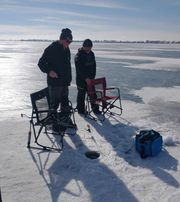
[[148, 143]]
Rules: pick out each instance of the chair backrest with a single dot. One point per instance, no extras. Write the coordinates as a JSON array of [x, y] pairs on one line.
[[96, 87], [40, 104]]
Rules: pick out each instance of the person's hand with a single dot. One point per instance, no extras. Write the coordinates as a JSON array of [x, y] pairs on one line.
[[53, 74]]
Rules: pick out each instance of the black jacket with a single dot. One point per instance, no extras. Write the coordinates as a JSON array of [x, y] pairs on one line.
[[85, 64], [56, 58]]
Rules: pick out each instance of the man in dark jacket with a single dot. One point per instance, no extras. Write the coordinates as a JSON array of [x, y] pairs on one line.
[[85, 64], [55, 62]]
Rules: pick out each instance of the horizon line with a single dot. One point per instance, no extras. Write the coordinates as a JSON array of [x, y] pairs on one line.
[[101, 41]]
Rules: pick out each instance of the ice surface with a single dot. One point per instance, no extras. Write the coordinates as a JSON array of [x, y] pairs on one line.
[[148, 77]]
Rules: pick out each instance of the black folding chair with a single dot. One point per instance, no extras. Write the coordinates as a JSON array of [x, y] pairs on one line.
[[108, 99], [43, 118]]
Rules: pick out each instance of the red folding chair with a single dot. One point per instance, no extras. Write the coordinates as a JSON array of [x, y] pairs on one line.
[[107, 98]]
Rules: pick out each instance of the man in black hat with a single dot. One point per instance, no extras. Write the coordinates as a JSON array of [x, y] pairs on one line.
[[55, 62], [85, 64]]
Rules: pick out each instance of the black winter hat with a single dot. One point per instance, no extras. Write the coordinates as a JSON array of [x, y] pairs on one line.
[[66, 34], [87, 43]]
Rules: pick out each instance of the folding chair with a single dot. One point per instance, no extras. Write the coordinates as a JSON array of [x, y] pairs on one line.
[[108, 99], [43, 118]]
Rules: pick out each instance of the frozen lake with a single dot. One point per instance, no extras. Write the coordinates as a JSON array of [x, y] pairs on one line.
[[131, 67], [149, 78]]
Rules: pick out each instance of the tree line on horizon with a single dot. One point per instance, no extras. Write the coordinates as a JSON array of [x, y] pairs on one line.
[[102, 41], [115, 41]]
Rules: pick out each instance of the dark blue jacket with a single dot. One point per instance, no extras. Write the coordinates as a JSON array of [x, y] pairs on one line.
[[85, 64], [56, 58]]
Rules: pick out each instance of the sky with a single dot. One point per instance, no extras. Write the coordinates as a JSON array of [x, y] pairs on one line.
[[96, 19]]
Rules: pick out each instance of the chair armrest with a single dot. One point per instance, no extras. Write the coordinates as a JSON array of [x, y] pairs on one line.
[[43, 111], [113, 88]]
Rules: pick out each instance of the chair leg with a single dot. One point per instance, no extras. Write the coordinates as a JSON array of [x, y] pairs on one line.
[[29, 135], [111, 105], [36, 136], [90, 110], [45, 147]]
